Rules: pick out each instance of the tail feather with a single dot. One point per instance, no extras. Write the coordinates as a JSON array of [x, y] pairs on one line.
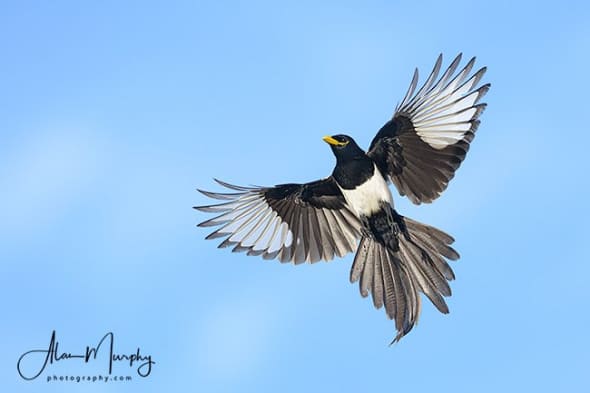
[[390, 294], [414, 261], [378, 284], [394, 277]]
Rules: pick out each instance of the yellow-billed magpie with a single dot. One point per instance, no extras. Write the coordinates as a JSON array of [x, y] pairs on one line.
[[418, 150]]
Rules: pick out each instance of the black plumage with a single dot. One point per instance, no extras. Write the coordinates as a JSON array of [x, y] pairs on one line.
[[353, 166], [418, 150]]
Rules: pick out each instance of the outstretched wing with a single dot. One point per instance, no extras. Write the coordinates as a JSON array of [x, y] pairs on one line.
[[424, 143], [291, 222]]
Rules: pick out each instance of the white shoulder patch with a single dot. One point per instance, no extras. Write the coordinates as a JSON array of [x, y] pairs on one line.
[[367, 198]]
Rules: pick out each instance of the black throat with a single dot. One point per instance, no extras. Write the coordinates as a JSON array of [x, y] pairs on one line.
[[351, 172]]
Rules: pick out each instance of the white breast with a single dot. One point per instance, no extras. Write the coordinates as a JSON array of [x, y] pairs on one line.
[[367, 198]]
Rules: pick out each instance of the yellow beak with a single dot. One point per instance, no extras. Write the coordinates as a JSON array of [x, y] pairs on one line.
[[332, 141]]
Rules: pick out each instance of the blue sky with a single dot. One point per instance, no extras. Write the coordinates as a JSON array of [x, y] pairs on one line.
[[112, 114]]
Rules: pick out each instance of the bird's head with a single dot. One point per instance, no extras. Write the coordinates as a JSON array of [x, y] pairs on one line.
[[344, 147]]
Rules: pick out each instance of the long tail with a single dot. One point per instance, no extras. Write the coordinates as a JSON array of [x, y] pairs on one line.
[[395, 275]]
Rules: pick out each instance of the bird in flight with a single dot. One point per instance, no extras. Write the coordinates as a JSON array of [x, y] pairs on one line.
[[351, 210]]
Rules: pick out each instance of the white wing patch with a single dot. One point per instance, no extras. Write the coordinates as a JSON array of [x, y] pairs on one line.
[[293, 233], [442, 113]]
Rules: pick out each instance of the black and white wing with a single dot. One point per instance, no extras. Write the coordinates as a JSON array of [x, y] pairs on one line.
[[291, 222], [424, 143]]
